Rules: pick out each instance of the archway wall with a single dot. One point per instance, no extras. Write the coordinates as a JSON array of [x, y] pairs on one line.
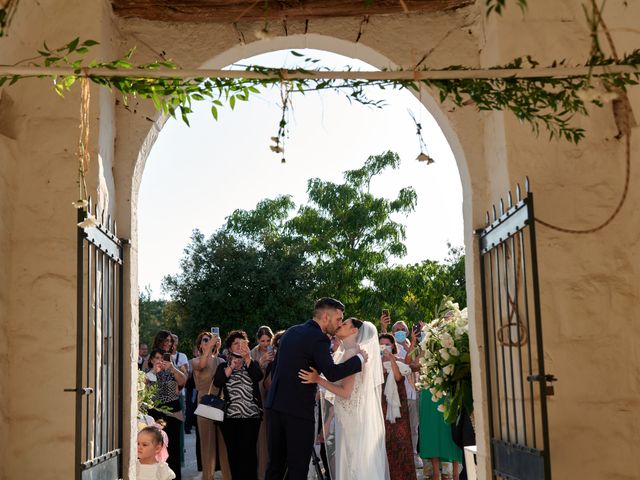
[[589, 283], [38, 139]]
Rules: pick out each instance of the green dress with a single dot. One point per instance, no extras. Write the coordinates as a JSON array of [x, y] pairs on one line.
[[435, 433]]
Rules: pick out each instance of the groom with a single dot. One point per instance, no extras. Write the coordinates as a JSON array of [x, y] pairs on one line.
[[291, 403]]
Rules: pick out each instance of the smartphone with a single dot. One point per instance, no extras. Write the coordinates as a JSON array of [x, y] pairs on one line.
[[416, 328], [215, 331], [385, 312], [166, 357], [269, 348]]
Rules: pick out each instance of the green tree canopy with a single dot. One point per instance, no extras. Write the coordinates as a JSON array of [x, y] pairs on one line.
[[268, 265]]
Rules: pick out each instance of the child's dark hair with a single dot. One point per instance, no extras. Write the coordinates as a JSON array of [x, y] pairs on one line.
[[155, 432]]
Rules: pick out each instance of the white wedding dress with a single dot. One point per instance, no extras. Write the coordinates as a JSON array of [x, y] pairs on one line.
[[356, 446]]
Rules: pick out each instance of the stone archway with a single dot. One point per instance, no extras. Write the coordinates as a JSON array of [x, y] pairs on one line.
[[349, 49]]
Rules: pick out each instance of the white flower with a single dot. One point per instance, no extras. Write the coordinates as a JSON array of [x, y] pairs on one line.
[[448, 370], [433, 390], [437, 380], [441, 408], [439, 394], [454, 351], [444, 354], [88, 222], [446, 340]]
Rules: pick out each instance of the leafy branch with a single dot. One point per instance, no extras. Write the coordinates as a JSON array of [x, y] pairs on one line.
[[547, 102]]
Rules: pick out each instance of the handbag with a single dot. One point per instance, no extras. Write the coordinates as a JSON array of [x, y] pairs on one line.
[[211, 406]]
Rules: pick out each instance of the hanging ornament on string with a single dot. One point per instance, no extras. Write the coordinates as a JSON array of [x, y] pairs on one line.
[[283, 130], [423, 156]]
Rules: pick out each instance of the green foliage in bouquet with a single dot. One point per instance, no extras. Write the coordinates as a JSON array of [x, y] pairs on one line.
[[445, 362]]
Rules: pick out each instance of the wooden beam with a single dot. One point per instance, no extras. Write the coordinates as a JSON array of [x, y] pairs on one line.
[[225, 11]]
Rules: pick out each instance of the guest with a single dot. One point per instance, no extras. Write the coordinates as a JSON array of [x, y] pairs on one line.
[[168, 381], [239, 378], [179, 359], [163, 341], [191, 395], [436, 440], [143, 355], [213, 449], [396, 412], [405, 345], [275, 343], [152, 451], [262, 353]]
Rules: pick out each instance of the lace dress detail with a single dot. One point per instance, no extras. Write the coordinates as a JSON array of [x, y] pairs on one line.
[[345, 411]]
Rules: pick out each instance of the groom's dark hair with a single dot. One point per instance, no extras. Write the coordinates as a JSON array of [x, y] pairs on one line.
[[327, 302]]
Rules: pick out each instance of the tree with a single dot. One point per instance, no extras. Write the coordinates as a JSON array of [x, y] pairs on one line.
[[348, 232], [413, 293], [232, 283]]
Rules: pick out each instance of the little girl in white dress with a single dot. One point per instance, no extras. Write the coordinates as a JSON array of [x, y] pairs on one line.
[[152, 455]]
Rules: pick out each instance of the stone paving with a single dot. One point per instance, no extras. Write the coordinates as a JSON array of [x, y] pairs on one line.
[[190, 470]]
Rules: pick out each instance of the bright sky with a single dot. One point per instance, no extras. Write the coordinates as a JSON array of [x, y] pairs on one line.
[[196, 176]]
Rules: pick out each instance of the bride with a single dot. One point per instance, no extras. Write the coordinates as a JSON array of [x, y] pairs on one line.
[[360, 452]]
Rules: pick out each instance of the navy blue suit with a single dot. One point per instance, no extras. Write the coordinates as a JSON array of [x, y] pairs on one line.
[[291, 402]]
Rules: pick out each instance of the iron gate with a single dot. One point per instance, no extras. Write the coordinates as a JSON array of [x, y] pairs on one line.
[[99, 368], [517, 385]]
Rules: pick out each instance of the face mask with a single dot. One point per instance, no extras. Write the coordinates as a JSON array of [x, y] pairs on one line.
[[401, 336]]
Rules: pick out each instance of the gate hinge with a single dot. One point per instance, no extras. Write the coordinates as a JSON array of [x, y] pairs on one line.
[[546, 378]]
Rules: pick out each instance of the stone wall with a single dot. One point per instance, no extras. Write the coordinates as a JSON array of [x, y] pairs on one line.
[[589, 283], [7, 161], [38, 141]]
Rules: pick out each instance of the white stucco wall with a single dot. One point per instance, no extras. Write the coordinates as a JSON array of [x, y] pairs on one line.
[[588, 282]]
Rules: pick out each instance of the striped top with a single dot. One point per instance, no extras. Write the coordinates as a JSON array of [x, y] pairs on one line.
[[241, 403]]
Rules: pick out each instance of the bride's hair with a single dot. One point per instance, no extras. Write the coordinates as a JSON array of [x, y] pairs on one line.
[[355, 322]]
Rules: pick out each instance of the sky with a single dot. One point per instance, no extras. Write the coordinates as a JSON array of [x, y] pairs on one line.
[[196, 176]]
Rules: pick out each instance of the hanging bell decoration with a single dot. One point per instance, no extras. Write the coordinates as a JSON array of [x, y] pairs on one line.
[[424, 157]]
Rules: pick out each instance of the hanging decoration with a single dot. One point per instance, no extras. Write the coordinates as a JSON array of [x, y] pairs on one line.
[[423, 156]]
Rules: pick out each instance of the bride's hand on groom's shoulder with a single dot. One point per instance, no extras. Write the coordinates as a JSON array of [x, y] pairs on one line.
[[309, 377]]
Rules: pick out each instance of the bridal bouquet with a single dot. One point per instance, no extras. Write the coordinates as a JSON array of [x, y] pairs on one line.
[[445, 368]]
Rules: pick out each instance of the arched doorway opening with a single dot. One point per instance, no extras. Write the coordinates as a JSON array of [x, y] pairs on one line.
[[327, 44]]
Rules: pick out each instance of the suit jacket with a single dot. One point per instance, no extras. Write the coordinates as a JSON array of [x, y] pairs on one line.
[[301, 347]]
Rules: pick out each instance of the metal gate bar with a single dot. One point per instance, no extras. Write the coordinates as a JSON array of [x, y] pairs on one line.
[[510, 300]]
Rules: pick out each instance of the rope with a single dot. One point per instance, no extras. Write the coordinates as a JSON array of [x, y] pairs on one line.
[[83, 143], [625, 130]]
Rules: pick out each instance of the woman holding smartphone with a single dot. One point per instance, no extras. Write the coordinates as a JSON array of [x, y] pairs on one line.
[[168, 380], [239, 378], [212, 447], [263, 354]]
